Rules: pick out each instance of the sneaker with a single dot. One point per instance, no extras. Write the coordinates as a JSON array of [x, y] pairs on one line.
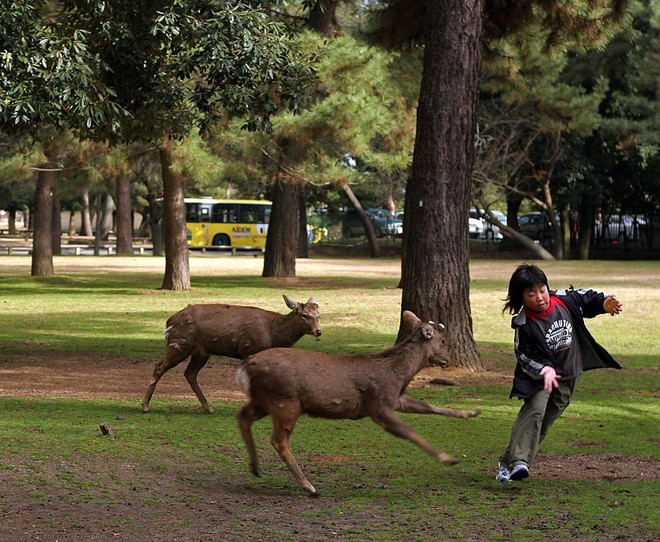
[[519, 472], [503, 473]]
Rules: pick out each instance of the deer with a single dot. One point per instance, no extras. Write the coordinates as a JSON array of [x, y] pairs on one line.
[[285, 383], [201, 330]]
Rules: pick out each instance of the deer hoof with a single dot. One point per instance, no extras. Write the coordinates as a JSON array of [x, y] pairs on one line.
[[448, 459]]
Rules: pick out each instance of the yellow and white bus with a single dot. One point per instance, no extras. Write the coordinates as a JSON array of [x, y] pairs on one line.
[[227, 222]]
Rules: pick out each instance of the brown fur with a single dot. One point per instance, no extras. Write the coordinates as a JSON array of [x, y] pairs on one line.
[[285, 383], [199, 331]]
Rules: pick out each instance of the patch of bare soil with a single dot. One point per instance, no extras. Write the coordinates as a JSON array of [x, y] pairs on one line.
[[62, 374], [123, 501]]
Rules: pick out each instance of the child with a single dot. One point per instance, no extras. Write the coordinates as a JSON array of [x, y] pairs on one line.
[[552, 347]]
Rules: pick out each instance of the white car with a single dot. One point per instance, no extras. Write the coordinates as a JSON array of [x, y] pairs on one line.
[[485, 230], [475, 228]]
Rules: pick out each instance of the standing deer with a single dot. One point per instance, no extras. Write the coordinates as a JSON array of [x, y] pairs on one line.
[[284, 383], [234, 331]]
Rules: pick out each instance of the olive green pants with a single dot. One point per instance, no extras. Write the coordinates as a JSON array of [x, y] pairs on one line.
[[534, 420]]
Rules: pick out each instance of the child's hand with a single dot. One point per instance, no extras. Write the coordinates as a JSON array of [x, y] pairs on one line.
[[612, 305], [550, 378]]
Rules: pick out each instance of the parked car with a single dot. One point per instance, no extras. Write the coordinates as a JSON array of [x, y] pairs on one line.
[[383, 222], [480, 228], [617, 228], [535, 225], [475, 227]]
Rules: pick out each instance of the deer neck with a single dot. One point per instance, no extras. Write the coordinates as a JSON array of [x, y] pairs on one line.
[[407, 358], [285, 330]]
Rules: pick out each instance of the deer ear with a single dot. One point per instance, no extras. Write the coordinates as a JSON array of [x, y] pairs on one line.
[[293, 305], [427, 331], [312, 301], [410, 319]]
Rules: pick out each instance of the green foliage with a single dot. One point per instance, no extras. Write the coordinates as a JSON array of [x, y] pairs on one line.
[[362, 105], [48, 74], [139, 71], [187, 64], [624, 152]]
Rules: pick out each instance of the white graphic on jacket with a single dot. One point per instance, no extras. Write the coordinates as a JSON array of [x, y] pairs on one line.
[[560, 335]]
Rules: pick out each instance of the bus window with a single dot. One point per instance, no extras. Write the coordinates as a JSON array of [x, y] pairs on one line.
[[223, 213], [192, 212], [205, 213], [251, 214], [254, 213]]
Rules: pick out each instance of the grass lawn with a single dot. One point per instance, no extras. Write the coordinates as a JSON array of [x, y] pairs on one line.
[[178, 474]]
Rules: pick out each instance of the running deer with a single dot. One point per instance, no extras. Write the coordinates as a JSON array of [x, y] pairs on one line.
[[285, 383], [202, 330]]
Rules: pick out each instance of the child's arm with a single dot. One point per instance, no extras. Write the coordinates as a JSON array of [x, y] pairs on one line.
[[593, 302]]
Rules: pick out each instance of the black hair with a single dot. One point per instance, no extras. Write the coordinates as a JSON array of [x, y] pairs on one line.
[[525, 276]]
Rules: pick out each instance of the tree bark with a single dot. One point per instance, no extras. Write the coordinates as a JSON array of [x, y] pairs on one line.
[[12, 221], [536, 249], [56, 226], [156, 225], [177, 265], [42, 243], [283, 231], [86, 217], [303, 244], [71, 229], [98, 229], [124, 229], [436, 277], [374, 247], [322, 18]]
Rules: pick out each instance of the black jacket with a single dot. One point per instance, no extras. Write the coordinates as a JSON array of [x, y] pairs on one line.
[[532, 352]]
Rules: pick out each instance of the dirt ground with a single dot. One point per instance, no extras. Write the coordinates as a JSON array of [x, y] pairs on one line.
[[142, 505]]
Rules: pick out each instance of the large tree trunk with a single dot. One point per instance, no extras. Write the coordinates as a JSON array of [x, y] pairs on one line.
[[103, 221], [436, 277], [124, 229], [71, 229], [177, 265], [56, 226], [12, 220], [303, 241], [42, 243], [86, 216], [322, 18], [156, 225], [283, 231]]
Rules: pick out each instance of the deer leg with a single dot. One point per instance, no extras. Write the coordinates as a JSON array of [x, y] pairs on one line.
[[198, 361], [175, 354], [408, 405], [246, 416], [393, 424], [284, 420]]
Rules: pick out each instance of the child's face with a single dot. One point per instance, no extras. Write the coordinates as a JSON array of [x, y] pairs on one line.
[[536, 298]]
